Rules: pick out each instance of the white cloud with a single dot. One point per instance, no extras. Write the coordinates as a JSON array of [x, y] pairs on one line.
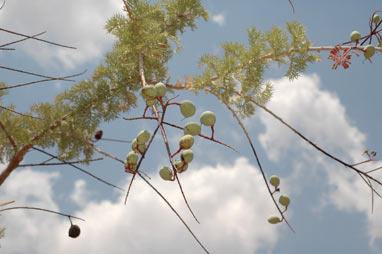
[[320, 116], [219, 19], [80, 195], [74, 23], [229, 200]]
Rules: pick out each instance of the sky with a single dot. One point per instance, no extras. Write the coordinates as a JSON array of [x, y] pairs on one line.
[[339, 110]]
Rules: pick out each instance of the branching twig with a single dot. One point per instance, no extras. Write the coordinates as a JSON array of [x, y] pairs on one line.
[[257, 158], [164, 136], [65, 78], [173, 209], [80, 169], [155, 189], [17, 41], [32, 37]]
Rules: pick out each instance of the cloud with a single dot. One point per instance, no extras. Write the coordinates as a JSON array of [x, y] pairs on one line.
[[219, 19], [229, 199], [74, 23], [320, 116], [80, 195]]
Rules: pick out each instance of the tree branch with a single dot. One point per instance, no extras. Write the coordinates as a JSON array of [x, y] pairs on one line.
[[19, 155], [9, 137]]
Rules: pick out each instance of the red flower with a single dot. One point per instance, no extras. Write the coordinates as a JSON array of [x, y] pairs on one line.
[[340, 59]]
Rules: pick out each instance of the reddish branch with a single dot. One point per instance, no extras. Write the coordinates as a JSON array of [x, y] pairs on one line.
[[19, 155], [8, 136]]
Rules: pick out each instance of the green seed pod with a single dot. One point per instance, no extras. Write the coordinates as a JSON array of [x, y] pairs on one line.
[[161, 89], [151, 102], [273, 219], [369, 51], [165, 173], [133, 166], [187, 155], [138, 148], [284, 200], [192, 128], [143, 136], [186, 141], [181, 166], [132, 157], [355, 36], [376, 18], [274, 180], [187, 108], [149, 92], [208, 118], [74, 231]]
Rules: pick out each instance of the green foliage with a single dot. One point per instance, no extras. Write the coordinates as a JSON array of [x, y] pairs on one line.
[[236, 77], [152, 30]]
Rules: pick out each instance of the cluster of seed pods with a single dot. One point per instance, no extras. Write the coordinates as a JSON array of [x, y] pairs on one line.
[[153, 94], [190, 129], [283, 199], [369, 50]]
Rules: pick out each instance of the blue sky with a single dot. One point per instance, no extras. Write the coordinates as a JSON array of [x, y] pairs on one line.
[[339, 110]]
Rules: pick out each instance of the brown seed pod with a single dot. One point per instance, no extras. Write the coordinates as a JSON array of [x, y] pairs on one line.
[[74, 231], [98, 134]]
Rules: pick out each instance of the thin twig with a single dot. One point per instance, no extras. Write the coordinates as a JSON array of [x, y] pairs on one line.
[[256, 156], [164, 199], [181, 128], [14, 42], [164, 136], [312, 144], [140, 161], [2, 5], [31, 37], [40, 209], [78, 168], [65, 78], [18, 113], [58, 163], [11, 140], [370, 171], [116, 140], [173, 209], [290, 2], [7, 203]]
